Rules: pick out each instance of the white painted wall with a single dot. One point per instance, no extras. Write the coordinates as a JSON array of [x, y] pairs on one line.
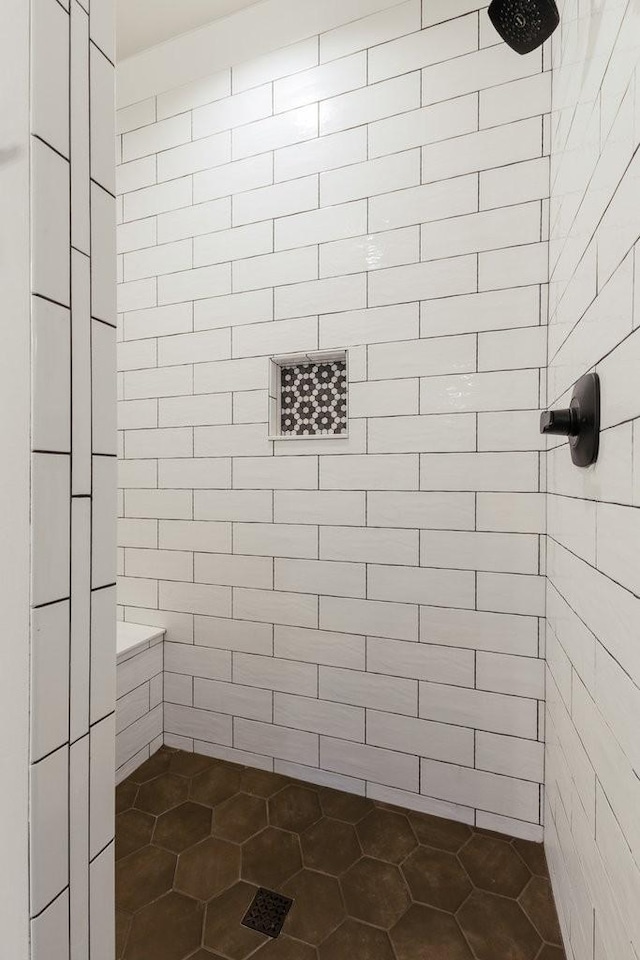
[[593, 702], [363, 612]]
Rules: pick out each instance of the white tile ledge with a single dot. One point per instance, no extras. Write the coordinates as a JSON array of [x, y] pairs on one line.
[[131, 637]]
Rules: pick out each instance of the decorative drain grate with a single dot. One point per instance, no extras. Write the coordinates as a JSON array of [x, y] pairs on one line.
[[267, 913]]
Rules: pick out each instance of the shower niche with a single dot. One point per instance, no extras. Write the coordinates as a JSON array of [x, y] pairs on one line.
[[308, 396]]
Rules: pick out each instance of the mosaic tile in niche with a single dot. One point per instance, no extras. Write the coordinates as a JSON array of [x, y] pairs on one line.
[[313, 399]]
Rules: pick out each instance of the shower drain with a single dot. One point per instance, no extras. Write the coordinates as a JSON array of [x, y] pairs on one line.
[[267, 913]]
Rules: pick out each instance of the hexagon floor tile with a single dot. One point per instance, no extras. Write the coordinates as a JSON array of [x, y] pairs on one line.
[[386, 835], [196, 837], [317, 907]]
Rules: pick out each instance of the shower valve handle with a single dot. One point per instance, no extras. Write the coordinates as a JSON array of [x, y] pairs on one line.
[[562, 422], [580, 422]]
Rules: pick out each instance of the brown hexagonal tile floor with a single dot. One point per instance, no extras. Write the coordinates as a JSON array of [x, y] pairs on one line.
[[498, 927], [537, 902], [439, 833], [261, 783], [295, 808], [551, 953], [203, 954], [143, 876], [424, 932], [495, 866], [436, 879], [375, 892], [216, 784], [240, 818], [207, 869], [270, 858], [344, 806], [284, 948], [182, 827], [223, 930], [356, 941], [153, 767], [190, 764], [162, 794], [533, 855], [386, 835], [317, 906], [197, 836], [123, 925], [133, 830], [169, 929], [126, 793], [330, 846]]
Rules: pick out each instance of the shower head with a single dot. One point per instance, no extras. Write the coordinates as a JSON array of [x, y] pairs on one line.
[[524, 24]]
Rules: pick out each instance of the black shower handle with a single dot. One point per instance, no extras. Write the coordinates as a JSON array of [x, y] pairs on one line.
[[562, 422], [580, 422]]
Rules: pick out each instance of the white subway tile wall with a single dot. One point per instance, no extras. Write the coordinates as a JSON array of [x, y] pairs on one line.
[[73, 484], [381, 188], [139, 706], [593, 668]]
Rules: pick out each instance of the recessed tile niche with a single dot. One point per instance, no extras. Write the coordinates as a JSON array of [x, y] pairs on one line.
[[308, 396]]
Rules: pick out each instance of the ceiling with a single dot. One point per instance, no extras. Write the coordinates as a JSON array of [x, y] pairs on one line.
[[144, 23]]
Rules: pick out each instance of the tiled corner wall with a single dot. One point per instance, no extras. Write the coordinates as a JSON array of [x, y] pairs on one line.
[[73, 481], [592, 824], [139, 709], [367, 611]]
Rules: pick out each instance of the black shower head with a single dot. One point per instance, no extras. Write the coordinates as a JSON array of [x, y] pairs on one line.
[[524, 24]]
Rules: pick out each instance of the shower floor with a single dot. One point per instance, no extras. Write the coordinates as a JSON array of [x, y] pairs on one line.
[[196, 838]]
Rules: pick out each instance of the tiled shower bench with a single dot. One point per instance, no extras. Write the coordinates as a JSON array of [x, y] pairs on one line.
[[139, 705]]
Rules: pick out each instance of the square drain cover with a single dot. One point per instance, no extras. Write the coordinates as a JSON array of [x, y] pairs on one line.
[[267, 913]]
